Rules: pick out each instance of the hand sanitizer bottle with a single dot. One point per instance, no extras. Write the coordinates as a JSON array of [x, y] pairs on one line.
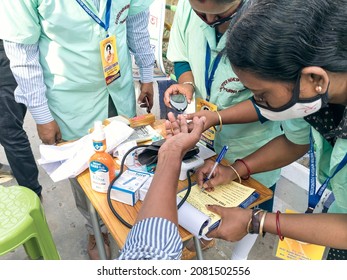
[[101, 164]]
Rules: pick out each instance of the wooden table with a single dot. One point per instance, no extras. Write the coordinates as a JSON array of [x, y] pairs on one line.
[[99, 204]]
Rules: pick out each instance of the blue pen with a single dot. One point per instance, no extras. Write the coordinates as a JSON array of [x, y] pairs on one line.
[[218, 160]]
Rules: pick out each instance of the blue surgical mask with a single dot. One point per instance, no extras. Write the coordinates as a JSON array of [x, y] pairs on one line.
[[296, 107]]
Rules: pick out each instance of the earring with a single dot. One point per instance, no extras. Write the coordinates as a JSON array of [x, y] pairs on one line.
[[259, 99], [319, 88]]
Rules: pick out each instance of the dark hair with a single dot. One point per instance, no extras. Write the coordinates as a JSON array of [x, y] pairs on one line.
[[108, 47], [275, 39]]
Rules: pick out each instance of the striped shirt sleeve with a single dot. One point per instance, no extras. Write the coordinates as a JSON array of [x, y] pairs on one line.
[[139, 44], [31, 89], [153, 239]]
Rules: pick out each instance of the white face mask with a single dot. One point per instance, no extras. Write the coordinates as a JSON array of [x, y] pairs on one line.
[[296, 107], [298, 110]]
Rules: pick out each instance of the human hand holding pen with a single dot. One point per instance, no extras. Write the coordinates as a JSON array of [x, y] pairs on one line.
[[217, 162], [145, 98], [147, 105]]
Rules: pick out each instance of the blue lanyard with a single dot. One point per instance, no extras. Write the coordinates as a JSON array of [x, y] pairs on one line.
[[209, 78], [313, 197], [95, 17]]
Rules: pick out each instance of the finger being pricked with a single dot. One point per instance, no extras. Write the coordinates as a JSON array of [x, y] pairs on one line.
[[182, 123], [175, 125], [171, 125]]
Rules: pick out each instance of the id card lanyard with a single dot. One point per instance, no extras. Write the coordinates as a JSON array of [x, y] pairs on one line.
[[108, 46], [313, 197], [105, 24], [209, 76]]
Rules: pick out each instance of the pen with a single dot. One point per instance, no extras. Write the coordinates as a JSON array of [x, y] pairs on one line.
[[218, 160], [147, 104]]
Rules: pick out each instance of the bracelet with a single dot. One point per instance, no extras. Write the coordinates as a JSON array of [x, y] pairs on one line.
[[189, 83], [254, 222], [249, 225], [261, 226], [237, 173], [278, 226], [247, 167], [220, 122]]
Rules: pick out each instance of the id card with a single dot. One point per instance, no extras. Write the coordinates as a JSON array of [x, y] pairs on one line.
[[208, 135], [109, 58], [291, 249]]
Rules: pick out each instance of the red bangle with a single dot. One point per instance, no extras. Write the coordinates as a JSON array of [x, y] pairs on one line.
[[278, 226], [247, 167]]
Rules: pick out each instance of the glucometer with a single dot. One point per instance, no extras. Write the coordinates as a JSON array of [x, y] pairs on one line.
[[178, 102]]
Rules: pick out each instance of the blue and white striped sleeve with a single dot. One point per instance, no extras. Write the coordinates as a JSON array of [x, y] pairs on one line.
[[153, 239], [139, 44], [31, 89]]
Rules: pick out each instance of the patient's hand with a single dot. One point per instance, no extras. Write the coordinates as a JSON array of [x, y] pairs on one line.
[[178, 137]]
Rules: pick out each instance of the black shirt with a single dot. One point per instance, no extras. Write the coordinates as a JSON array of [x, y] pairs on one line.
[[330, 122]]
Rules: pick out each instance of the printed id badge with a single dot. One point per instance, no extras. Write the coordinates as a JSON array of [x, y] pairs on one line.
[[208, 135], [109, 58]]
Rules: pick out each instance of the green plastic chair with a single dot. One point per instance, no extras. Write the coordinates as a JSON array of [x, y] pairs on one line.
[[23, 222]]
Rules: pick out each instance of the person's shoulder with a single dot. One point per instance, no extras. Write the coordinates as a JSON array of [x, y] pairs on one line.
[[183, 8], [296, 123]]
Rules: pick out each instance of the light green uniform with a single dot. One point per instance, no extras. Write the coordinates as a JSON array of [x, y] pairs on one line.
[[327, 159], [188, 38], [70, 56]]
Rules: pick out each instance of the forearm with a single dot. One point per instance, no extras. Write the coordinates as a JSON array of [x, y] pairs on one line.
[[28, 73], [139, 43], [186, 77], [278, 153], [243, 112], [161, 197], [321, 229]]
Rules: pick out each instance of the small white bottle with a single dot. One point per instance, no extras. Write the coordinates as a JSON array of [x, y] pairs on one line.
[[101, 164]]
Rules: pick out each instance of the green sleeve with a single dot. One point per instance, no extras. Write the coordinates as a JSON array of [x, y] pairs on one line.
[[297, 131], [181, 67], [138, 6], [20, 21], [177, 49]]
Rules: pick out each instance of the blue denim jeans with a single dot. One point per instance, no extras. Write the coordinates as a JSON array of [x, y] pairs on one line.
[[13, 138]]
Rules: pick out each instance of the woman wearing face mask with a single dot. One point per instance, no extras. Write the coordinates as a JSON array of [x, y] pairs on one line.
[[197, 39], [295, 63]]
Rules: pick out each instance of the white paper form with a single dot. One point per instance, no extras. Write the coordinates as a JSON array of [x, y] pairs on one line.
[[197, 219], [69, 160]]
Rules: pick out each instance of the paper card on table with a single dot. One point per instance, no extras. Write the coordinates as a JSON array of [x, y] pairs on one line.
[[145, 133], [230, 195], [291, 249]]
